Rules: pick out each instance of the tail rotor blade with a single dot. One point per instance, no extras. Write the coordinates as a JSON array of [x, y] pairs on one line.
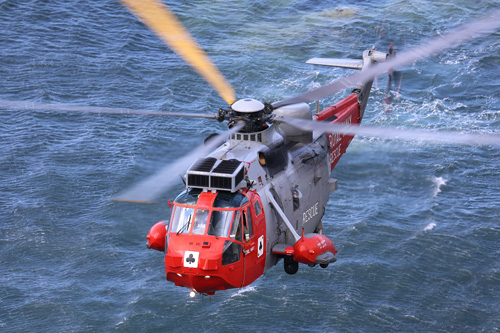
[[160, 19], [387, 94], [398, 77]]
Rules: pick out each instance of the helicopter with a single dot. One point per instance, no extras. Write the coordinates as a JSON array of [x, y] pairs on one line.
[[259, 197]]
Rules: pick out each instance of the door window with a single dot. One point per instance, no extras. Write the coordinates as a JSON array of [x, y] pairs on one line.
[[236, 229], [248, 228]]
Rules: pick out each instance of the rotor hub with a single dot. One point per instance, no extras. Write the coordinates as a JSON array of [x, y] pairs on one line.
[[252, 112], [247, 105]]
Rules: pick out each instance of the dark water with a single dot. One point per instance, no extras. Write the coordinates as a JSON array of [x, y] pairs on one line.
[[417, 225]]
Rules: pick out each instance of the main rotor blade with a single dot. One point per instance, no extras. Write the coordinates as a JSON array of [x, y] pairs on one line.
[[424, 50], [393, 133], [160, 19], [34, 106], [150, 189]]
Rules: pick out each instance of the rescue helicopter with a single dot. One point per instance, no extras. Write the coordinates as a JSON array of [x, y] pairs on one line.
[[260, 196], [256, 194]]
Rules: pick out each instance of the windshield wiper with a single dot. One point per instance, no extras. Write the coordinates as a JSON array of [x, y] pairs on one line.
[[185, 224]]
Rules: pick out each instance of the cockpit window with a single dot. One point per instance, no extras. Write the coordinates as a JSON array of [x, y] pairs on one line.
[[220, 222], [200, 221], [257, 208], [224, 199], [229, 200], [182, 219], [188, 197], [185, 219], [236, 229]]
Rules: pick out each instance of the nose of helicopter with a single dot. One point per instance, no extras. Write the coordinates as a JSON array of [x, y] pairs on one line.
[[197, 265], [203, 284]]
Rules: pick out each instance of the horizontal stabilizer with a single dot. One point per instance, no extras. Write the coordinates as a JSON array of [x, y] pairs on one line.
[[345, 63]]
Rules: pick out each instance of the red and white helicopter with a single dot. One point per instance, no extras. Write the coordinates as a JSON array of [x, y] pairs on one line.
[[257, 193]]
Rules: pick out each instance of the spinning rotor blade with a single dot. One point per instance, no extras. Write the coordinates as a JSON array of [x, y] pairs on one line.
[[424, 50], [33, 106], [160, 19], [393, 133], [152, 187]]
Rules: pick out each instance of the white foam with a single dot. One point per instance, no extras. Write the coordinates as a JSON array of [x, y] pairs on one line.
[[438, 182], [430, 226], [243, 290]]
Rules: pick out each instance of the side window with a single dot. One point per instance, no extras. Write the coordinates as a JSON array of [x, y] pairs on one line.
[[236, 229], [296, 195], [258, 210], [231, 253], [247, 220]]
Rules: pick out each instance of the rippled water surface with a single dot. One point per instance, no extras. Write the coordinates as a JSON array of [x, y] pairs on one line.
[[417, 225]]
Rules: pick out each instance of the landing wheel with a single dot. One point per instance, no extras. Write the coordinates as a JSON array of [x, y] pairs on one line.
[[323, 265], [291, 266]]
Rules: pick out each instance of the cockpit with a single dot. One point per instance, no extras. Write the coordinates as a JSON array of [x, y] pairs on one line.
[[210, 215], [214, 241], [224, 215]]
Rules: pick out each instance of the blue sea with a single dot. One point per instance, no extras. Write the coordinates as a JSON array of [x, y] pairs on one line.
[[416, 224]]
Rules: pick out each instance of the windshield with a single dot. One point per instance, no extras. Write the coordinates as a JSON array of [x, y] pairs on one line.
[[220, 223], [200, 221], [181, 219], [214, 220]]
